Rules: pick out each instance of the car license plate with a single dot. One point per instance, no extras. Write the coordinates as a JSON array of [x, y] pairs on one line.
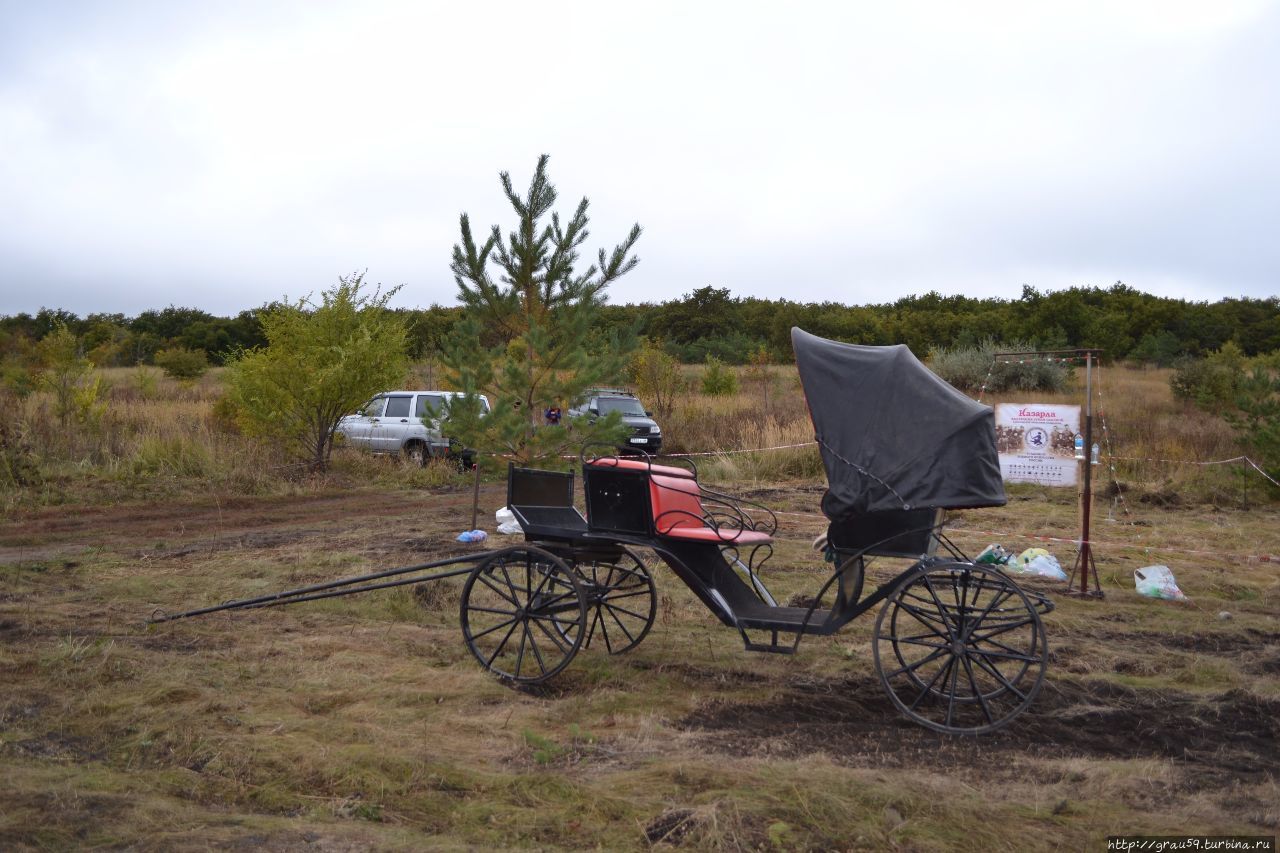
[[639, 441]]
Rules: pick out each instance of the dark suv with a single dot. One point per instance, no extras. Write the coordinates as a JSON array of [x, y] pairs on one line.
[[645, 434]]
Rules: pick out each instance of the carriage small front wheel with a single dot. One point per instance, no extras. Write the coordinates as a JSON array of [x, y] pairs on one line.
[[621, 600], [524, 614], [960, 648]]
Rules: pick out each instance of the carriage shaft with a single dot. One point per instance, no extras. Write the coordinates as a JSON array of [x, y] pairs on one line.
[[305, 593]]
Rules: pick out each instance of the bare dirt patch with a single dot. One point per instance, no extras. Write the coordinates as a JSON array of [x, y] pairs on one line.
[[853, 722], [211, 525]]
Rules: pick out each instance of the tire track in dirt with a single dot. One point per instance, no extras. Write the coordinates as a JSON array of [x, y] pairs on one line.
[[62, 532]]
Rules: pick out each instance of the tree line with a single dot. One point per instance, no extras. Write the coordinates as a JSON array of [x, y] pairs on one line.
[[711, 321]]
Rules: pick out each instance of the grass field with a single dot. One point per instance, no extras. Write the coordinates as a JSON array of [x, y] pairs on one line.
[[363, 723]]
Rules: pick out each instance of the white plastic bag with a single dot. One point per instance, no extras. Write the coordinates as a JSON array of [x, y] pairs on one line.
[[1157, 582], [506, 520], [1037, 561]]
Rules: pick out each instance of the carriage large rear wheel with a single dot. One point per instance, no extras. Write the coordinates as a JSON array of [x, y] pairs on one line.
[[621, 601], [524, 614], [960, 648]]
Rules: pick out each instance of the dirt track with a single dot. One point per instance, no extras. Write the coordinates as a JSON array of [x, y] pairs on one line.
[[60, 532]]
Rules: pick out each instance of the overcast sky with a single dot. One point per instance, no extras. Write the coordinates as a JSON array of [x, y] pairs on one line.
[[222, 154]]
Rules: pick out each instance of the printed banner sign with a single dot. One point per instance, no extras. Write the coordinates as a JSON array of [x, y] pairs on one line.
[[1036, 443]]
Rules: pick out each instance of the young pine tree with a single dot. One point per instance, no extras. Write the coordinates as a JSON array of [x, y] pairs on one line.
[[522, 339]]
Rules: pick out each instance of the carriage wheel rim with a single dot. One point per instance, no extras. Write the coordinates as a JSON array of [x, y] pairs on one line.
[[999, 690], [960, 653], [523, 614]]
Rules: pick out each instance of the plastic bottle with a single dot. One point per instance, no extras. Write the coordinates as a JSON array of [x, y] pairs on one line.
[[1093, 457], [1079, 446]]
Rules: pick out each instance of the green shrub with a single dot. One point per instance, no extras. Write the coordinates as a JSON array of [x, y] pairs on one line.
[[70, 377], [182, 363], [225, 415], [1211, 385], [17, 380], [19, 465], [972, 368], [1161, 349], [718, 380], [146, 382], [1257, 416], [656, 376]]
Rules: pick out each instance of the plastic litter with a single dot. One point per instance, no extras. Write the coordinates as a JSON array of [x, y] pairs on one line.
[[994, 555], [1157, 582], [506, 521], [472, 536], [1038, 561]]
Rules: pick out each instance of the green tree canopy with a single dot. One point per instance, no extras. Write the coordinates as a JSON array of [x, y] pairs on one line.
[[527, 315], [320, 363]]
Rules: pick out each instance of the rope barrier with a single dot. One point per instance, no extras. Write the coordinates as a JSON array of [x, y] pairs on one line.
[[961, 531]]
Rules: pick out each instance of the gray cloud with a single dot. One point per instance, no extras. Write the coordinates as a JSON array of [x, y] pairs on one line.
[[224, 156]]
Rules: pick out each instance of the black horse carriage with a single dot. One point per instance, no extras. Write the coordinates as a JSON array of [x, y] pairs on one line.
[[958, 646]]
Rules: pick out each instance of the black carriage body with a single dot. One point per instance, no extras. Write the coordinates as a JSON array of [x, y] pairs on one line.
[[623, 500]]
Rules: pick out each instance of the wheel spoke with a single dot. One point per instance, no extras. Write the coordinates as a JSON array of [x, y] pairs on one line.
[[941, 609], [524, 635], [615, 596], [982, 700], [912, 667], [533, 644], [1004, 628], [497, 627], [630, 636], [609, 603], [925, 619], [927, 645], [1002, 655], [951, 697], [1000, 677], [498, 592], [515, 596], [604, 631], [995, 599], [1010, 649], [942, 669], [477, 609], [559, 641], [489, 663]]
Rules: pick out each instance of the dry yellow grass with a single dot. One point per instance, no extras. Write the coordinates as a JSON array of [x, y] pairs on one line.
[[362, 723]]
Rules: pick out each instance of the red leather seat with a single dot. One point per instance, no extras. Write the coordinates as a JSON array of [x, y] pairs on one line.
[[641, 465], [678, 513]]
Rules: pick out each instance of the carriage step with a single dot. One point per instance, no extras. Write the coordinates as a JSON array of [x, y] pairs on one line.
[[789, 619], [771, 648]]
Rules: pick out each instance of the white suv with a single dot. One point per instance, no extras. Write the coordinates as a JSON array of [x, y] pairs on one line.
[[403, 422]]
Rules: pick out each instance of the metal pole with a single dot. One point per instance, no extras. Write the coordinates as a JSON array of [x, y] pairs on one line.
[[1086, 556], [475, 498]]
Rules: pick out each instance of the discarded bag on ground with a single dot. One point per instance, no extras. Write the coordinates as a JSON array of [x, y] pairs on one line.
[[506, 521], [1038, 561], [472, 536], [1157, 582], [993, 555]]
